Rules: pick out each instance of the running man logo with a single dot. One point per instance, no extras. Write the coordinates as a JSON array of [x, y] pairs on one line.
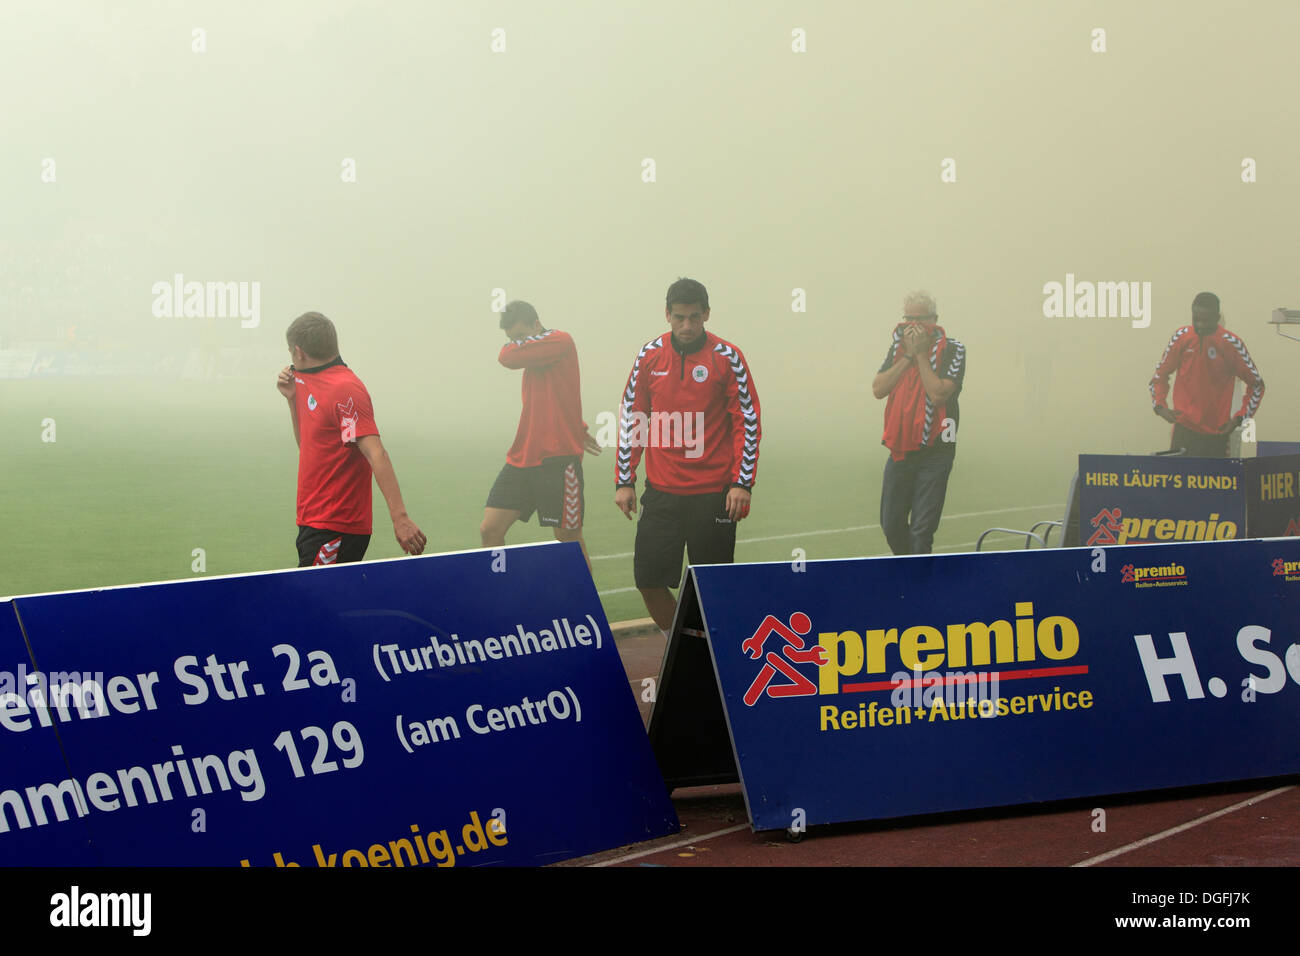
[[795, 650], [919, 648], [1145, 577], [1107, 523], [1113, 528]]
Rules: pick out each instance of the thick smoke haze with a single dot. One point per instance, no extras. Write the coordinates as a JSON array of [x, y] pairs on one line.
[[394, 165]]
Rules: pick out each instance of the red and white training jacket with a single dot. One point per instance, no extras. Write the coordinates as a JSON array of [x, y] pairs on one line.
[[1207, 366], [550, 423], [695, 416]]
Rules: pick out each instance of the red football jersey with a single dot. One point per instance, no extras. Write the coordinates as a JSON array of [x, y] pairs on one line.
[[551, 421], [1206, 366], [334, 411], [695, 415]]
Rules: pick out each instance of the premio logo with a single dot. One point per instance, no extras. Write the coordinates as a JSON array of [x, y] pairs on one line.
[[1165, 575], [794, 665], [1112, 528], [1289, 570]]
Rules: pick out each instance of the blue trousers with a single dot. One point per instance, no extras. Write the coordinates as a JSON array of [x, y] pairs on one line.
[[911, 500]]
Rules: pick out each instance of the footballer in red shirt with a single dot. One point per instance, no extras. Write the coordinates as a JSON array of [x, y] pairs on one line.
[[691, 406], [338, 450], [543, 470], [1208, 359]]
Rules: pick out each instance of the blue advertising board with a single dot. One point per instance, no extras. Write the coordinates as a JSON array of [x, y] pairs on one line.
[[1131, 499], [453, 710], [884, 687], [1273, 495], [39, 753], [1268, 449]]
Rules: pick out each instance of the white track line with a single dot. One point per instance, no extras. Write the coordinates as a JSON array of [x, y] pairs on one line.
[[1118, 851], [945, 547], [959, 544], [1110, 855], [861, 527], [671, 846]]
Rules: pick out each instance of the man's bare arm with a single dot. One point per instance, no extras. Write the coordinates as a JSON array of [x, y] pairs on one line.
[[409, 536], [885, 381]]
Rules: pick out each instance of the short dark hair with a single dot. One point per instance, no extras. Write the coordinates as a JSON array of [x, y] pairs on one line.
[[314, 334], [516, 312], [1206, 300], [687, 292]]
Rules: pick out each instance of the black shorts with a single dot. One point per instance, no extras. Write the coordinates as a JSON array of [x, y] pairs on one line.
[[316, 547], [553, 489], [1199, 444], [669, 522]]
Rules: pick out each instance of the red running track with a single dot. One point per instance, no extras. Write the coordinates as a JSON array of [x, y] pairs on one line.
[[1247, 825]]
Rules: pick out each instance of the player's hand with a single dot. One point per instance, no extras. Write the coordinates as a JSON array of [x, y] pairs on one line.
[[625, 498], [1167, 414], [922, 339], [738, 503], [590, 445], [409, 536], [1230, 426], [284, 382], [909, 339]]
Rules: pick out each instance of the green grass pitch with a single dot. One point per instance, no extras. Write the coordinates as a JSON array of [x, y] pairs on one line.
[[141, 474]]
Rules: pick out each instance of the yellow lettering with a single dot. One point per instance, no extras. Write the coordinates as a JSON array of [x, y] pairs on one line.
[[980, 651], [1024, 631], [848, 663], [877, 641], [918, 639], [1067, 646], [828, 717]]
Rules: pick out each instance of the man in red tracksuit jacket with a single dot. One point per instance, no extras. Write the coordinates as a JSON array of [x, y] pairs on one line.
[[691, 405], [543, 470], [1208, 359]]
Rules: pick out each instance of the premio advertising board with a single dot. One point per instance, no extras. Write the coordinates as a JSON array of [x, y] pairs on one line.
[[884, 687]]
